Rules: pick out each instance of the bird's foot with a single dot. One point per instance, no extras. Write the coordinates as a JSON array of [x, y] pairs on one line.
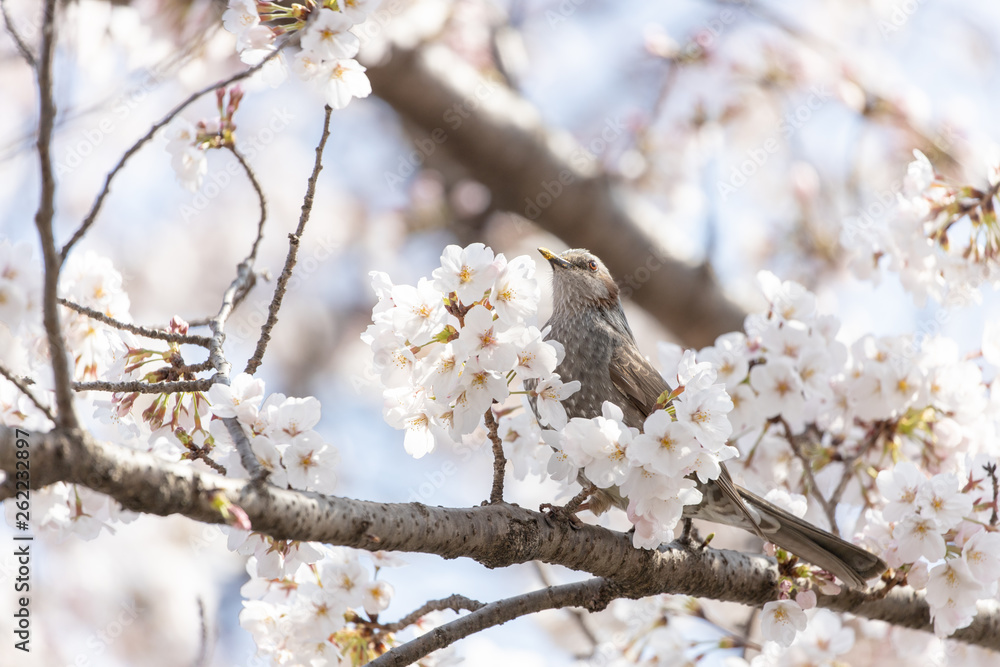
[[555, 514], [690, 539], [567, 513]]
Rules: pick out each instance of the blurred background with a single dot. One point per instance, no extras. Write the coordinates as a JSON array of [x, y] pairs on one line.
[[690, 144]]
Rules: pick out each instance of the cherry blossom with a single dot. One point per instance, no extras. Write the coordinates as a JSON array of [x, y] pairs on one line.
[[469, 272], [780, 620], [329, 37]]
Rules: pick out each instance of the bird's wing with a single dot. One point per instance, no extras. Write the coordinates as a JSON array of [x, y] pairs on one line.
[[638, 382], [641, 385]]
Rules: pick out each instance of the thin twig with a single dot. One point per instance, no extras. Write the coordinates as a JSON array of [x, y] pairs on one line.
[[260, 197], [453, 602], [578, 616], [991, 470], [258, 473], [23, 386], [202, 657], [592, 593], [245, 278], [830, 509], [849, 470], [814, 42], [136, 329], [241, 294], [96, 208], [293, 248], [145, 387], [747, 627], [499, 462], [43, 221], [196, 368], [22, 46], [196, 453]]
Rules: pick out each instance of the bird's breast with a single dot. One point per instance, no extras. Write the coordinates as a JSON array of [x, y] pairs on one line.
[[589, 348]]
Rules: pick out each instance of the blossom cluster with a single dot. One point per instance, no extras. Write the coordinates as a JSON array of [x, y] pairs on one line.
[[687, 436], [449, 347], [326, 58], [280, 432], [87, 279], [939, 529], [943, 240], [307, 609], [187, 144]]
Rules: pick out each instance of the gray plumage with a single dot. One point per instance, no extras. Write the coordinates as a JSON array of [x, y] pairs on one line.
[[587, 318]]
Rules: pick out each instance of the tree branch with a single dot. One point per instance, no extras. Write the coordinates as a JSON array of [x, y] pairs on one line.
[[498, 137], [22, 46], [186, 339], [260, 197], [494, 535], [139, 387], [293, 249], [578, 617], [594, 594], [829, 508], [453, 602], [23, 387], [43, 221], [499, 461], [96, 208]]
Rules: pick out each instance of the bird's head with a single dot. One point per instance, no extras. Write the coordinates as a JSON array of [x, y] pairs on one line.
[[580, 281]]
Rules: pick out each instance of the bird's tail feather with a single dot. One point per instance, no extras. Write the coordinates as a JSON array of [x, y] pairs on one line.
[[853, 564]]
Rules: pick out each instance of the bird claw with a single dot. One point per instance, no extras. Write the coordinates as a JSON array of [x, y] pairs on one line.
[[690, 539], [555, 514]]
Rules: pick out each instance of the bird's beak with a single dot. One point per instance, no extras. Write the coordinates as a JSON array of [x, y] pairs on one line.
[[554, 259]]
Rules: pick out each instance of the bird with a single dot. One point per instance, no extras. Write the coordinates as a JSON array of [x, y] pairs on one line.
[[601, 353]]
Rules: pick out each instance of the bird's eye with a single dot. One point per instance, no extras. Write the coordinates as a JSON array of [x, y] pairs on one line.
[[592, 264]]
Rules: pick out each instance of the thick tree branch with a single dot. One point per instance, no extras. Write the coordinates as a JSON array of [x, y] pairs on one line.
[[499, 138], [494, 535], [590, 594]]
